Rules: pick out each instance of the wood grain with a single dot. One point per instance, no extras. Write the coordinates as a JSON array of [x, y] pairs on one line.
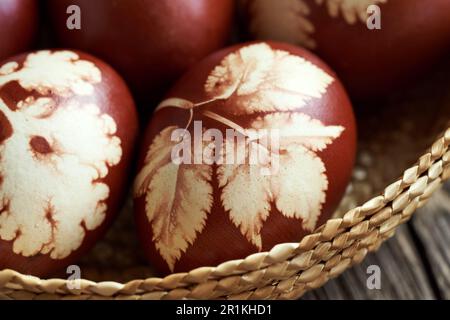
[[432, 226]]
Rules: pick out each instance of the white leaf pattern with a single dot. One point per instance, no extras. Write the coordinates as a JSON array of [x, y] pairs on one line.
[[38, 214], [289, 20], [298, 128], [178, 198], [352, 10], [236, 180], [254, 80], [298, 188]]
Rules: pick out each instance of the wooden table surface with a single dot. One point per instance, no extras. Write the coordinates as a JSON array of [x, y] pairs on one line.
[[415, 264]]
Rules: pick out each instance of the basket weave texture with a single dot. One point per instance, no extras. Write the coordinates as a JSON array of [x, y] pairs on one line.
[[116, 270]]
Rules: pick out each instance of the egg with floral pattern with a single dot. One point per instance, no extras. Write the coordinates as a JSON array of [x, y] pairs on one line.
[[254, 146]]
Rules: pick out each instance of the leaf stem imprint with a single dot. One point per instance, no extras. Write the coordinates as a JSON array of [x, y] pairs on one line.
[[188, 105], [225, 121]]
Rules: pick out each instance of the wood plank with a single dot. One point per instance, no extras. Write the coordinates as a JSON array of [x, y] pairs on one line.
[[403, 275], [432, 226]]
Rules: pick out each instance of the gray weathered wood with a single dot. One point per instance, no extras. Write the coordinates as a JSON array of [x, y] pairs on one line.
[[432, 225]]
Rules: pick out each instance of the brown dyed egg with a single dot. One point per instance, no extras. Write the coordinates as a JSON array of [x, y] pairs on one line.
[[67, 128], [371, 62], [254, 146], [151, 43], [18, 26]]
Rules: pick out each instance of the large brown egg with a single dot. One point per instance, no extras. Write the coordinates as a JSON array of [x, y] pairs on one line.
[[372, 62], [67, 128], [151, 43], [18, 26], [254, 146]]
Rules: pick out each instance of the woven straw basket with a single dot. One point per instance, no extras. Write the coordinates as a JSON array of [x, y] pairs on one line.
[[403, 158]]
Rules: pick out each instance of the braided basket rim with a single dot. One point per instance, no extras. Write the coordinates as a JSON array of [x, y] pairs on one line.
[[288, 270]]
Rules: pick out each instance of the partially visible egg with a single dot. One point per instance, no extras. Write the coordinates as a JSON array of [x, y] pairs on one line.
[[67, 128], [375, 46], [254, 146], [151, 43], [18, 26]]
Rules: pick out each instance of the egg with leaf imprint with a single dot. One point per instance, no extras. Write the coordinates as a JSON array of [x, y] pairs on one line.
[[375, 46], [67, 129], [254, 146]]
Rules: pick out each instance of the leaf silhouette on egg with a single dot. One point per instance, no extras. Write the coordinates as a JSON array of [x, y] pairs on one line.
[[254, 79], [351, 10], [272, 85], [297, 189], [178, 197], [58, 148], [289, 20]]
